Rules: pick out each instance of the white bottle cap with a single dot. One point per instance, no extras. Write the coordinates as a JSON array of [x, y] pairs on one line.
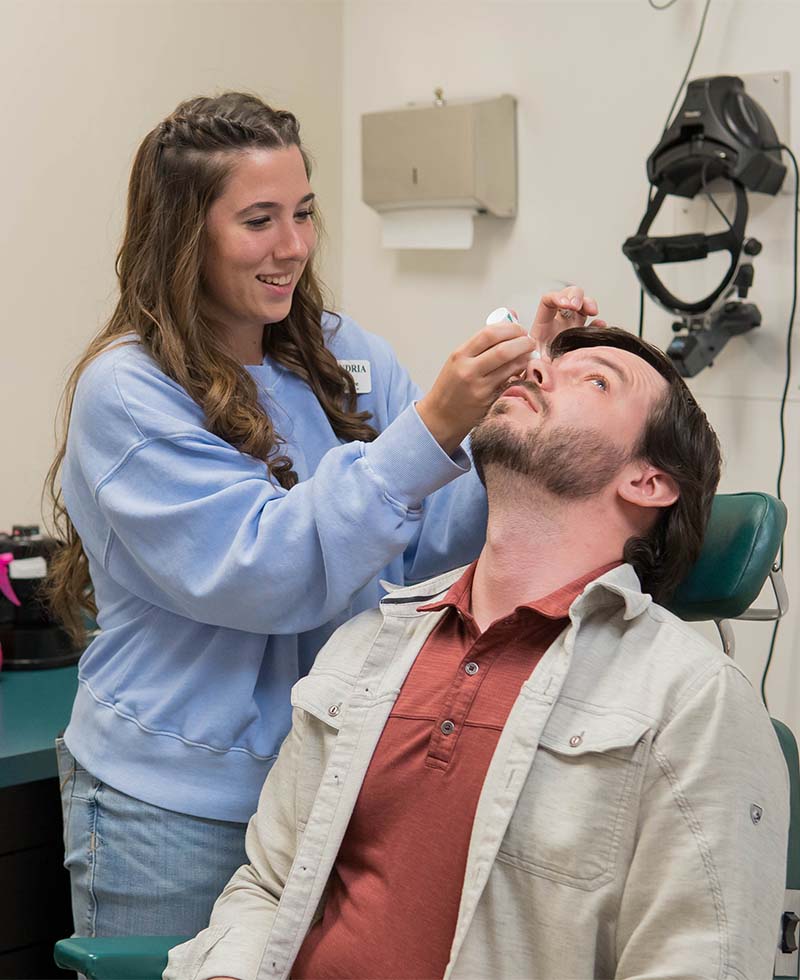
[[499, 315]]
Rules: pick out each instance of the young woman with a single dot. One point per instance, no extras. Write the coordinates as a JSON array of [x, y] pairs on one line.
[[240, 470]]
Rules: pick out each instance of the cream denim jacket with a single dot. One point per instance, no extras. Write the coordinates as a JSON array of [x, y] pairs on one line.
[[633, 821]]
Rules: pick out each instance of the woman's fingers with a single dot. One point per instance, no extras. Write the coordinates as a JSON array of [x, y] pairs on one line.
[[500, 378], [561, 309], [490, 336], [503, 354]]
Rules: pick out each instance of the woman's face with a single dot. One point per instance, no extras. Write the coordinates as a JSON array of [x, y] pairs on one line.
[[259, 237]]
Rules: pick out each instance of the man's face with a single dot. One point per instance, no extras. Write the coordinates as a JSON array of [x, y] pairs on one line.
[[572, 423]]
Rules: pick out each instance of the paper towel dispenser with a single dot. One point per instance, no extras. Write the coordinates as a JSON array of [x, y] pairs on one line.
[[459, 157]]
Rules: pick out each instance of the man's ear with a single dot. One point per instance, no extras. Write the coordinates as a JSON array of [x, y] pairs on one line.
[[647, 486]]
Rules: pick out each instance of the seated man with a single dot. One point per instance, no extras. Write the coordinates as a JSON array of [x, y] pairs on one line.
[[528, 768]]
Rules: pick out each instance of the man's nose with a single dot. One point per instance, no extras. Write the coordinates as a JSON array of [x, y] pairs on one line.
[[541, 373]]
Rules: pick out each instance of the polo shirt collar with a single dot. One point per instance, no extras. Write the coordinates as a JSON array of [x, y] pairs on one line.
[[555, 605]]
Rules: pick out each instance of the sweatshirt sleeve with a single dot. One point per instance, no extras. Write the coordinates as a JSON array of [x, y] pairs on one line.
[[452, 527], [704, 891], [199, 529], [452, 531]]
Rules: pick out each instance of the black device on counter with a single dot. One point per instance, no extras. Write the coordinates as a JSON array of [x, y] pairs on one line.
[[30, 638]]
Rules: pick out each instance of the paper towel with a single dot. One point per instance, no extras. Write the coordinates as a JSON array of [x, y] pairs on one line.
[[428, 228]]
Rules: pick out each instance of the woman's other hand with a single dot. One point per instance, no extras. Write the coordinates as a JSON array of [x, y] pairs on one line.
[[560, 310]]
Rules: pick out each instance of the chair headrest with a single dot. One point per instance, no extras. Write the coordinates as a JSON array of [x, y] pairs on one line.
[[743, 537]]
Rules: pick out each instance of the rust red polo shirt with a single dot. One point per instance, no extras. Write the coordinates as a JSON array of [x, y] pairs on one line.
[[396, 884]]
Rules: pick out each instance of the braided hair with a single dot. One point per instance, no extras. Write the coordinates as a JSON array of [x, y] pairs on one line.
[[179, 170]]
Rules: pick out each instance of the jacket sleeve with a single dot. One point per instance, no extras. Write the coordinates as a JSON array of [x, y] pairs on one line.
[[234, 942], [198, 528], [705, 888]]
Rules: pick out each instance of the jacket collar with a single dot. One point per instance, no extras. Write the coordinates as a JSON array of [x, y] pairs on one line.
[[618, 586]]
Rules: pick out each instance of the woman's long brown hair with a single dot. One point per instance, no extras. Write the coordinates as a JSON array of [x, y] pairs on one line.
[[179, 170]]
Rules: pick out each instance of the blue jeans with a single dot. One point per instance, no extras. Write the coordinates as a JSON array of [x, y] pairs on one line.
[[136, 869]]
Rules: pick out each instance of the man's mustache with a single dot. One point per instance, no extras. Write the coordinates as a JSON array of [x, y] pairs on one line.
[[532, 388]]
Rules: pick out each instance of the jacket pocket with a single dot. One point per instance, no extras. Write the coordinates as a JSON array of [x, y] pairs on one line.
[[575, 805], [323, 697]]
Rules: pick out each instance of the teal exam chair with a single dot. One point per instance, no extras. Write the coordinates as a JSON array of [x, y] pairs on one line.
[[738, 557]]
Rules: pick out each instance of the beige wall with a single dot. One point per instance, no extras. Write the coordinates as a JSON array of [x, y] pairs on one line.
[[594, 82], [83, 82]]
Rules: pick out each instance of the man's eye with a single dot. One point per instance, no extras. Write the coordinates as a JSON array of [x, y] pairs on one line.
[[599, 381]]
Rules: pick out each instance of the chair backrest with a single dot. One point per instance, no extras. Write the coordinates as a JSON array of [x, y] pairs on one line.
[[741, 542]]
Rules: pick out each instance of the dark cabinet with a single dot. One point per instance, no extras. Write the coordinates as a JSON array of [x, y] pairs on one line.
[[34, 886]]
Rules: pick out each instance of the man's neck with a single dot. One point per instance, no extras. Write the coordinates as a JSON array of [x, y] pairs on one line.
[[536, 543]]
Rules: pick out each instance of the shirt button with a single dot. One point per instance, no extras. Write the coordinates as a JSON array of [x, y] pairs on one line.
[[448, 727], [471, 668], [333, 711], [575, 741]]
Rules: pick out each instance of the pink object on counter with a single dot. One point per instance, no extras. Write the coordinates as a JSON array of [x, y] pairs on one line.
[[5, 582]]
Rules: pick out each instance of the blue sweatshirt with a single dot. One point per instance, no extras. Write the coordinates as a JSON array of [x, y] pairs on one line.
[[216, 588]]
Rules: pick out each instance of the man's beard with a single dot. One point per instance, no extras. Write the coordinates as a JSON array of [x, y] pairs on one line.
[[565, 461]]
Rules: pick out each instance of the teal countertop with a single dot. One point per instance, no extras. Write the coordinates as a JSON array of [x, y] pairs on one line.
[[35, 706]]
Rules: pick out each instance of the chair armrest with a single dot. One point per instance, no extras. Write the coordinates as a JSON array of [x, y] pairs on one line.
[[117, 957]]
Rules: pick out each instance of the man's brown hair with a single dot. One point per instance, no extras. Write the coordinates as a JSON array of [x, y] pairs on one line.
[[678, 439]]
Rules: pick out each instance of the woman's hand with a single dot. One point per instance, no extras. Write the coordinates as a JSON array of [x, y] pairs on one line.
[[470, 380], [560, 310]]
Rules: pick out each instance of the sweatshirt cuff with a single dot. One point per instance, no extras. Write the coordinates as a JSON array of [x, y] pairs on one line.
[[410, 462]]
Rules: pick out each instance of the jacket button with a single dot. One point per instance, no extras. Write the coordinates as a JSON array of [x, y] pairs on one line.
[[575, 741], [471, 668], [448, 727], [333, 711]]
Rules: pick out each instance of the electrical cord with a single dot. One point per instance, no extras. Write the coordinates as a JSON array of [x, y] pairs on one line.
[[650, 188], [787, 381], [688, 67], [710, 196], [724, 216]]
